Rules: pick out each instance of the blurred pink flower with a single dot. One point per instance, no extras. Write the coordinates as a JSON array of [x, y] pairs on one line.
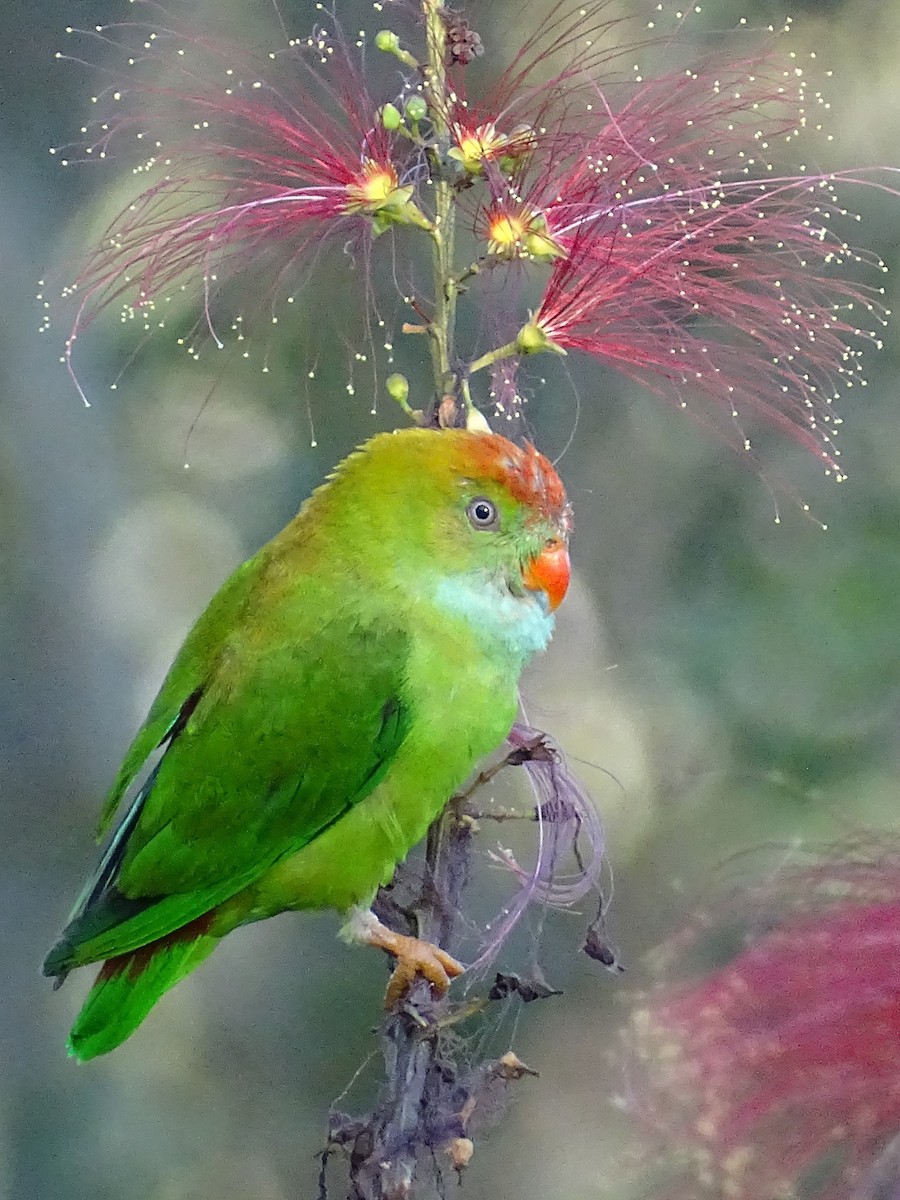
[[779, 1074]]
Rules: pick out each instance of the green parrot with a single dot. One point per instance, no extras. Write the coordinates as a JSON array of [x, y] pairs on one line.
[[342, 684]]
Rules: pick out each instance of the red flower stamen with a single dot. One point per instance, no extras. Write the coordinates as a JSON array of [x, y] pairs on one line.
[[266, 170], [690, 265]]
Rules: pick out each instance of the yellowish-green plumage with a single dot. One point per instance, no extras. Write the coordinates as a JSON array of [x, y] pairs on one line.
[[340, 686]]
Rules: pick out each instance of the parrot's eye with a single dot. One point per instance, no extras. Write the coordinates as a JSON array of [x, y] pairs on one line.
[[483, 514]]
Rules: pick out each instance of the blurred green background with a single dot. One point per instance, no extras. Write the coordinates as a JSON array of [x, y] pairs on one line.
[[733, 681]]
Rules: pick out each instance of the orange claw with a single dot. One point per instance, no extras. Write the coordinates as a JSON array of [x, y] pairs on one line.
[[414, 957]]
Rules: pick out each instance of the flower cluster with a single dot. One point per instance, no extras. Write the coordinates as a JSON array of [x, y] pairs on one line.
[[777, 1074], [682, 257], [653, 215]]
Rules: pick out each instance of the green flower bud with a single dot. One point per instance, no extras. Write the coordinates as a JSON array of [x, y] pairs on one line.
[[397, 387], [391, 117], [416, 108], [387, 41]]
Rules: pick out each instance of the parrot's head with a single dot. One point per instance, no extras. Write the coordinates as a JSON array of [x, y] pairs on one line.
[[472, 521], [506, 515]]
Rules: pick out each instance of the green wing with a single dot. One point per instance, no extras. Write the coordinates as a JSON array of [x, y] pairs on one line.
[[189, 674], [270, 735]]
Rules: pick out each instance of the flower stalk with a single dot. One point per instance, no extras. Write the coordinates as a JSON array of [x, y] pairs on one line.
[[445, 291]]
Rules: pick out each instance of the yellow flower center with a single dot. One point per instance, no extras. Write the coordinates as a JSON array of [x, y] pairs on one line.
[[474, 146], [374, 186], [521, 234], [505, 232]]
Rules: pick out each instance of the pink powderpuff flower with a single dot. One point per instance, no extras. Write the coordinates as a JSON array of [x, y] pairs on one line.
[[682, 257], [778, 1074], [258, 161], [533, 108]]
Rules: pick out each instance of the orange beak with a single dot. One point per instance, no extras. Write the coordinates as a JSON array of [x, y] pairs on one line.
[[550, 572]]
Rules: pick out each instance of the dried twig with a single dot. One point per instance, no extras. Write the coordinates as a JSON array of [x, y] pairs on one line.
[[432, 1104]]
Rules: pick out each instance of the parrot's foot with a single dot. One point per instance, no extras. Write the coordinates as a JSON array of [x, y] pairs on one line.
[[414, 957]]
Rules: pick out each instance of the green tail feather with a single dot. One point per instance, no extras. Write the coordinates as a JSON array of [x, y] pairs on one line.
[[127, 987]]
